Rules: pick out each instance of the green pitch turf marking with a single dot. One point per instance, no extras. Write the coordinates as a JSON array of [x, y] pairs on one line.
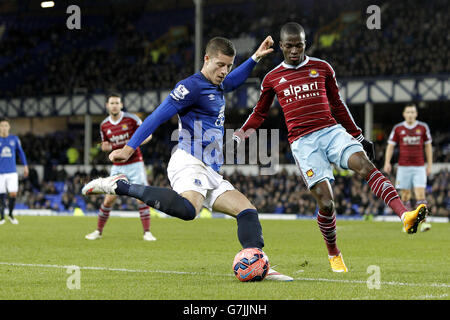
[[391, 283]]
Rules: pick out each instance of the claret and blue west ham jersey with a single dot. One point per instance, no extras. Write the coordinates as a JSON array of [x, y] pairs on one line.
[[309, 97], [8, 147], [119, 132], [200, 106], [411, 139]]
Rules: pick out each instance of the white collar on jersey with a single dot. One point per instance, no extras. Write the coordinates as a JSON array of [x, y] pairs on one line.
[[288, 66], [116, 122], [407, 126]]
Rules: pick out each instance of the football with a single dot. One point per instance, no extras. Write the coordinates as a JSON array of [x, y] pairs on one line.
[[250, 264]]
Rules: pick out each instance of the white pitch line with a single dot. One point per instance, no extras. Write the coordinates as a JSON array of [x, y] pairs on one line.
[[109, 269], [391, 283]]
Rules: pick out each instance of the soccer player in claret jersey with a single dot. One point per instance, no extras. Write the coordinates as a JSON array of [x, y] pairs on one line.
[[321, 131], [9, 179], [412, 137], [115, 132], [193, 168]]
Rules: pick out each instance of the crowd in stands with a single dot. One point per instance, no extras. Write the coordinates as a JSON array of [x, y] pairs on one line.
[[280, 193], [126, 51], [412, 40], [67, 148], [60, 147], [146, 50]]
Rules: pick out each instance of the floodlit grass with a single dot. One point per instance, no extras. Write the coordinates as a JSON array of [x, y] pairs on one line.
[[192, 260]]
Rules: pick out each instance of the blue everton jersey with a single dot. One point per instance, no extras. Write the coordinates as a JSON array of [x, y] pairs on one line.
[[201, 106], [8, 147]]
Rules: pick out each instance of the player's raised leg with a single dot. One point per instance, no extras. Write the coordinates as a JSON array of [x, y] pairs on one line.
[[326, 219], [234, 203], [384, 190], [164, 199]]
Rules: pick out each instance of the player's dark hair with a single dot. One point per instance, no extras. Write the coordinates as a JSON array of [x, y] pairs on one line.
[[220, 44], [291, 28], [4, 119], [409, 105], [113, 95]]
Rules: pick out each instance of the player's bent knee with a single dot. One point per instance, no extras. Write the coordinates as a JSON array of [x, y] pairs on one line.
[[182, 208], [327, 206], [359, 163]]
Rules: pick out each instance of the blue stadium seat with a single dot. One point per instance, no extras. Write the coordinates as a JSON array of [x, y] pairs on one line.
[[80, 202], [20, 206], [59, 186], [356, 208]]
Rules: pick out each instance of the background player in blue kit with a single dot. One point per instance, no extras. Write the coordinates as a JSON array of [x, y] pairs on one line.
[[193, 168], [9, 179]]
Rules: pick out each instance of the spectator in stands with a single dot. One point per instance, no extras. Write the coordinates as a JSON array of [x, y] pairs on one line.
[[138, 58]]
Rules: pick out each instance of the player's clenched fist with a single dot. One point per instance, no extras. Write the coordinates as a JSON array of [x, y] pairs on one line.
[[265, 48], [121, 155]]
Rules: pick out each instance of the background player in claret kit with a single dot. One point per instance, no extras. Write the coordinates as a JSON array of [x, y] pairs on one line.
[[193, 168], [412, 137], [321, 131], [9, 179], [115, 132]]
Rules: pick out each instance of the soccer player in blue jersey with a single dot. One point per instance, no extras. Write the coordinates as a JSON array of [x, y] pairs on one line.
[[9, 179], [193, 168]]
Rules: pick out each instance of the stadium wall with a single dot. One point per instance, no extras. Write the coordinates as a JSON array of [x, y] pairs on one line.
[[353, 91], [205, 214]]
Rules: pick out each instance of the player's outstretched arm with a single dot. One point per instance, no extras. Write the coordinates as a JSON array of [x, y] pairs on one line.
[[238, 76], [22, 156], [106, 146], [121, 155], [387, 158], [25, 171], [429, 157], [264, 49], [164, 112], [147, 140], [259, 114]]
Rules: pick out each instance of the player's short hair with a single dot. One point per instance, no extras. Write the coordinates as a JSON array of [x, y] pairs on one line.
[[410, 105], [222, 45], [4, 119], [113, 95], [291, 28]]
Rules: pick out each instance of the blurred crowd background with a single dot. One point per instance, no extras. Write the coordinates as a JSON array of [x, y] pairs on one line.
[[150, 46], [140, 49], [280, 193]]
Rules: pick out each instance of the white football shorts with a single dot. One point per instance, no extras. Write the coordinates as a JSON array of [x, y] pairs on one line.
[[135, 172], [9, 182], [187, 173]]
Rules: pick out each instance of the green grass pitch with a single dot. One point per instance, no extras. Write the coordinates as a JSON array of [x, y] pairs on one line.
[[192, 260]]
